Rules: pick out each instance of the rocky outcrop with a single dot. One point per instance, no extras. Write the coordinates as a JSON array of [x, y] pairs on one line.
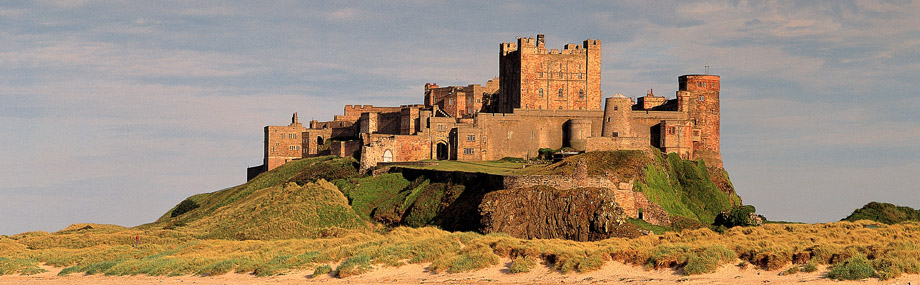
[[583, 214]]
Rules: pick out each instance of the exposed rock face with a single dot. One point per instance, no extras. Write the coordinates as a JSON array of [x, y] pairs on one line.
[[583, 214]]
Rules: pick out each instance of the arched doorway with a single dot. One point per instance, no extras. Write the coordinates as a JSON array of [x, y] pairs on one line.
[[387, 156], [442, 153]]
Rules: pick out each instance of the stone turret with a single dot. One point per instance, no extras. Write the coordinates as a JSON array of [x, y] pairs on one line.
[[618, 117], [579, 130], [294, 122]]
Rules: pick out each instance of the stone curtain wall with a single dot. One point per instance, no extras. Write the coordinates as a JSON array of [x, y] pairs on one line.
[[617, 143], [561, 182], [402, 148]]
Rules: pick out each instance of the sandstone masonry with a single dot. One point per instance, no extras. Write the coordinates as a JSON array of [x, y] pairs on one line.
[[541, 99]]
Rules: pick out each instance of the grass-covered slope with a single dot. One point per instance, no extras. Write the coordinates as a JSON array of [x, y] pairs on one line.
[[884, 213], [291, 201], [684, 188], [625, 165]]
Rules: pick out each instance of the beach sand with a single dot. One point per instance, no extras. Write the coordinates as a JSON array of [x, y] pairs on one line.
[[611, 273]]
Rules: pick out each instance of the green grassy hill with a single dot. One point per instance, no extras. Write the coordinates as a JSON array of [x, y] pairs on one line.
[[884, 213], [272, 206], [311, 197]]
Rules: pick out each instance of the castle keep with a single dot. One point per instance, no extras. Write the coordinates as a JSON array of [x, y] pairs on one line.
[[541, 99]]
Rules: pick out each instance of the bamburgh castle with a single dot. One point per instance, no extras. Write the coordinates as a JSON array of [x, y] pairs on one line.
[[543, 98]]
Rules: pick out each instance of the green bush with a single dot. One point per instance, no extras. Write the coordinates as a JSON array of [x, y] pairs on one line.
[[521, 264], [325, 269], [354, 265], [792, 270], [854, 268], [739, 216], [809, 267], [184, 206], [546, 153], [708, 259]]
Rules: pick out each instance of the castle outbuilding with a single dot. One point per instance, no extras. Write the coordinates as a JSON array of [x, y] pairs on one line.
[[541, 99]]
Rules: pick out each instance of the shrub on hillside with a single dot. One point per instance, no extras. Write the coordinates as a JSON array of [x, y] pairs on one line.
[[855, 268], [513, 159], [739, 216], [328, 169], [521, 264], [546, 153], [184, 206]]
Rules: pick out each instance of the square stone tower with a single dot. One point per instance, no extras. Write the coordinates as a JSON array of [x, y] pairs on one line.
[[533, 77], [283, 143]]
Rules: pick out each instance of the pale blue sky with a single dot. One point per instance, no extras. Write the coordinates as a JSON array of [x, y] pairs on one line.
[[115, 111]]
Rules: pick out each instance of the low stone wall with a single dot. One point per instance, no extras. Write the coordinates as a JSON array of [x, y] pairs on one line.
[[616, 143], [561, 182], [344, 148]]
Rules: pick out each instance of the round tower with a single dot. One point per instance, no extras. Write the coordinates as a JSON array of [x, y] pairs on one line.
[[617, 114], [579, 130], [699, 99]]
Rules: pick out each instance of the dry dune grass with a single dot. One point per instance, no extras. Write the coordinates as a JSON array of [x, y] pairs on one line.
[[888, 251]]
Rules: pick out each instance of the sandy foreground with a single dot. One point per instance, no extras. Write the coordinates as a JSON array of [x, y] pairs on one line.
[[611, 273]]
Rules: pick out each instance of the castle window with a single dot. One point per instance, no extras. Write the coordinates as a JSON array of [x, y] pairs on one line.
[[541, 74], [541, 92], [387, 156], [560, 74], [469, 151], [273, 149], [580, 75], [561, 93], [581, 94], [441, 127], [478, 100], [704, 84], [616, 134], [450, 101], [702, 98], [616, 108], [471, 138]]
